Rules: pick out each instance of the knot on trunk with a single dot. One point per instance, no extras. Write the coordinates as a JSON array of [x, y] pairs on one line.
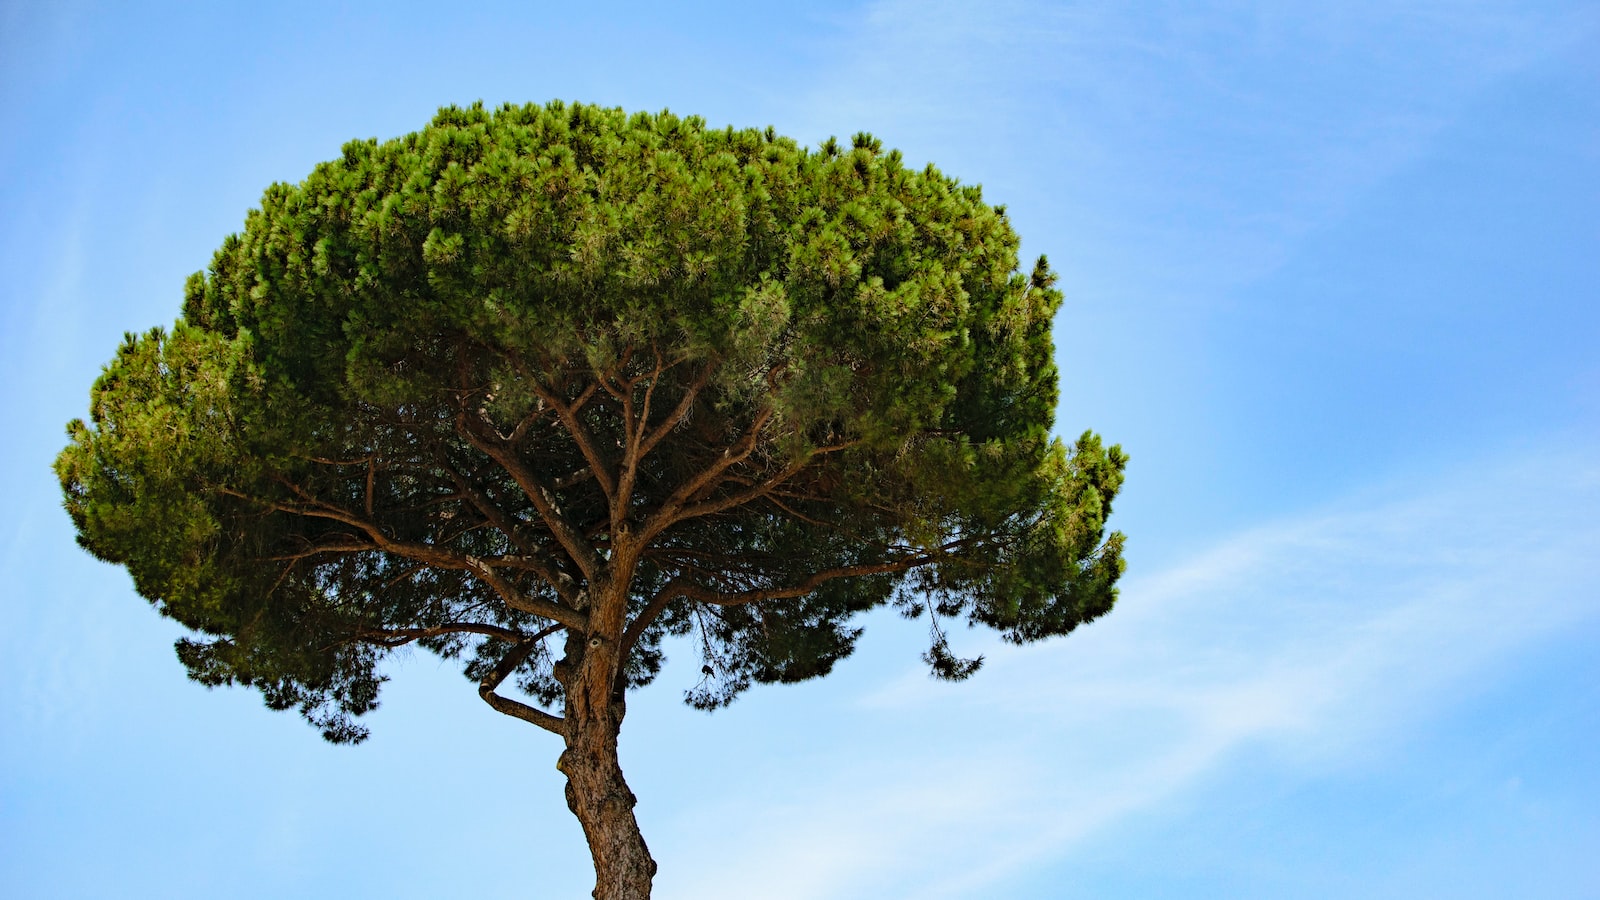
[[620, 801]]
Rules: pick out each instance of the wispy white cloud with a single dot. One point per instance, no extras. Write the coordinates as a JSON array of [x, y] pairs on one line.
[[1221, 133], [1321, 640]]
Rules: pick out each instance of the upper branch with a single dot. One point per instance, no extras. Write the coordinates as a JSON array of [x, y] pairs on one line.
[[642, 438], [708, 478], [690, 393], [568, 414], [758, 490], [479, 433]]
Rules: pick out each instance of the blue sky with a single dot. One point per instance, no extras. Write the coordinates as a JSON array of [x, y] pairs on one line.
[[1331, 270]]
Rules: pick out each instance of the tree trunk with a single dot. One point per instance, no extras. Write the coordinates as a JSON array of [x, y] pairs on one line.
[[596, 791]]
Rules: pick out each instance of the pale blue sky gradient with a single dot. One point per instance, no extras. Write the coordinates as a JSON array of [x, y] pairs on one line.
[[1331, 274]]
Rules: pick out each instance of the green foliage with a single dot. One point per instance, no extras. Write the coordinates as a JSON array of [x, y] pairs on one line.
[[297, 470]]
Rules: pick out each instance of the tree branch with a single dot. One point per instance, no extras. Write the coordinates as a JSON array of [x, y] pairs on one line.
[[758, 490], [430, 554], [811, 583], [684, 588], [571, 540], [533, 558], [396, 637], [568, 414], [317, 549], [519, 710], [690, 392], [519, 654], [667, 513]]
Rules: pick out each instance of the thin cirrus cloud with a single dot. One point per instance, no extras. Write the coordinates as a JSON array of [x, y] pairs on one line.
[[1323, 640], [1220, 133]]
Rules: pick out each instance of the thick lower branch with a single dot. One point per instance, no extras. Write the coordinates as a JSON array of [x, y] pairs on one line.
[[429, 554], [503, 669], [518, 710]]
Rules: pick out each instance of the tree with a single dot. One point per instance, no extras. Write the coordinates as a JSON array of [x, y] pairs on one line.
[[540, 387]]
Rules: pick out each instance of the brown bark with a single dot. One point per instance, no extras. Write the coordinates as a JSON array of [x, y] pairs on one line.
[[596, 791]]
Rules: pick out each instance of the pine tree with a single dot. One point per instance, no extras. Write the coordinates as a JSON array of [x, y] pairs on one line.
[[537, 388]]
